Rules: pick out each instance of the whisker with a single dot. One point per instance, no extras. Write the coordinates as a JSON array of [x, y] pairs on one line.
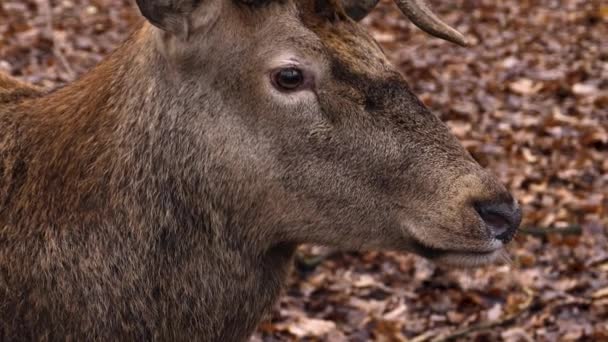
[[505, 257]]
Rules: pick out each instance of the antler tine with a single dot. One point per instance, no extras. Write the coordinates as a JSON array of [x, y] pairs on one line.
[[420, 14]]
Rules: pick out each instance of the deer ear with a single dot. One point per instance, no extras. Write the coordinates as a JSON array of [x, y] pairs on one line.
[[170, 15], [358, 9]]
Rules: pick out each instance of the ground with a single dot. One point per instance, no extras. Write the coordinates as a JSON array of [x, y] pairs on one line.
[[529, 100]]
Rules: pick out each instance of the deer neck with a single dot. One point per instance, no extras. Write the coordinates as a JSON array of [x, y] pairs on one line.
[[123, 143], [104, 162], [83, 147]]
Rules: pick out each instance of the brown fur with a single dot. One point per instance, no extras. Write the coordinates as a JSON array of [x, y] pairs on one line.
[[162, 195], [13, 90]]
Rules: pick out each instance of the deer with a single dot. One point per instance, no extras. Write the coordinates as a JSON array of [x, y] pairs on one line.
[[162, 195]]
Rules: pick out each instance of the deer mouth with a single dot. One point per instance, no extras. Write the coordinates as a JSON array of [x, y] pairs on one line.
[[457, 257]]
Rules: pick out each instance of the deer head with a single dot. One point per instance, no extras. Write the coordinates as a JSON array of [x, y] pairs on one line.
[[301, 131]]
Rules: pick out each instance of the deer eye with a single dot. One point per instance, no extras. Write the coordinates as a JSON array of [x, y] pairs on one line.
[[288, 79]]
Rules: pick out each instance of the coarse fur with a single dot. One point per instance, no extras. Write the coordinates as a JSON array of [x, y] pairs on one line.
[[162, 195], [13, 90]]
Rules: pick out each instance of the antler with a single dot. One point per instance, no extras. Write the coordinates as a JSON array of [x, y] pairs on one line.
[[420, 14]]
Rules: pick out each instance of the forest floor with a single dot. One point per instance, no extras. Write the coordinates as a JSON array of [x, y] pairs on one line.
[[529, 100]]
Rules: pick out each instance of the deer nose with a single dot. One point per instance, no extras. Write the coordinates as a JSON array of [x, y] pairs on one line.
[[501, 218]]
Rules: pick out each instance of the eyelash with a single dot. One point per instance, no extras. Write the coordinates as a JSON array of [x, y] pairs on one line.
[[280, 79]]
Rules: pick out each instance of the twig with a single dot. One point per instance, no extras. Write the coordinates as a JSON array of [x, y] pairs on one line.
[[540, 231], [48, 10], [426, 336], [482, 326], [492, 324], [598, 261]]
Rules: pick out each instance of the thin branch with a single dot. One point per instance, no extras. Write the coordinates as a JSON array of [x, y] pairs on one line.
[[48, 10], [541, 231], [481, 326], [492, 324]]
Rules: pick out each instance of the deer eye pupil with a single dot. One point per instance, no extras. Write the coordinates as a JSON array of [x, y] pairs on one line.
[[289, 78]]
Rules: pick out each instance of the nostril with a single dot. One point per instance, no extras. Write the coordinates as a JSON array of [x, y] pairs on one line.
[[498, 223], [502, 219]]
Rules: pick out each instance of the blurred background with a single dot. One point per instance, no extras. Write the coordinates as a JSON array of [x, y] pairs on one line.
[[528, 99]]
